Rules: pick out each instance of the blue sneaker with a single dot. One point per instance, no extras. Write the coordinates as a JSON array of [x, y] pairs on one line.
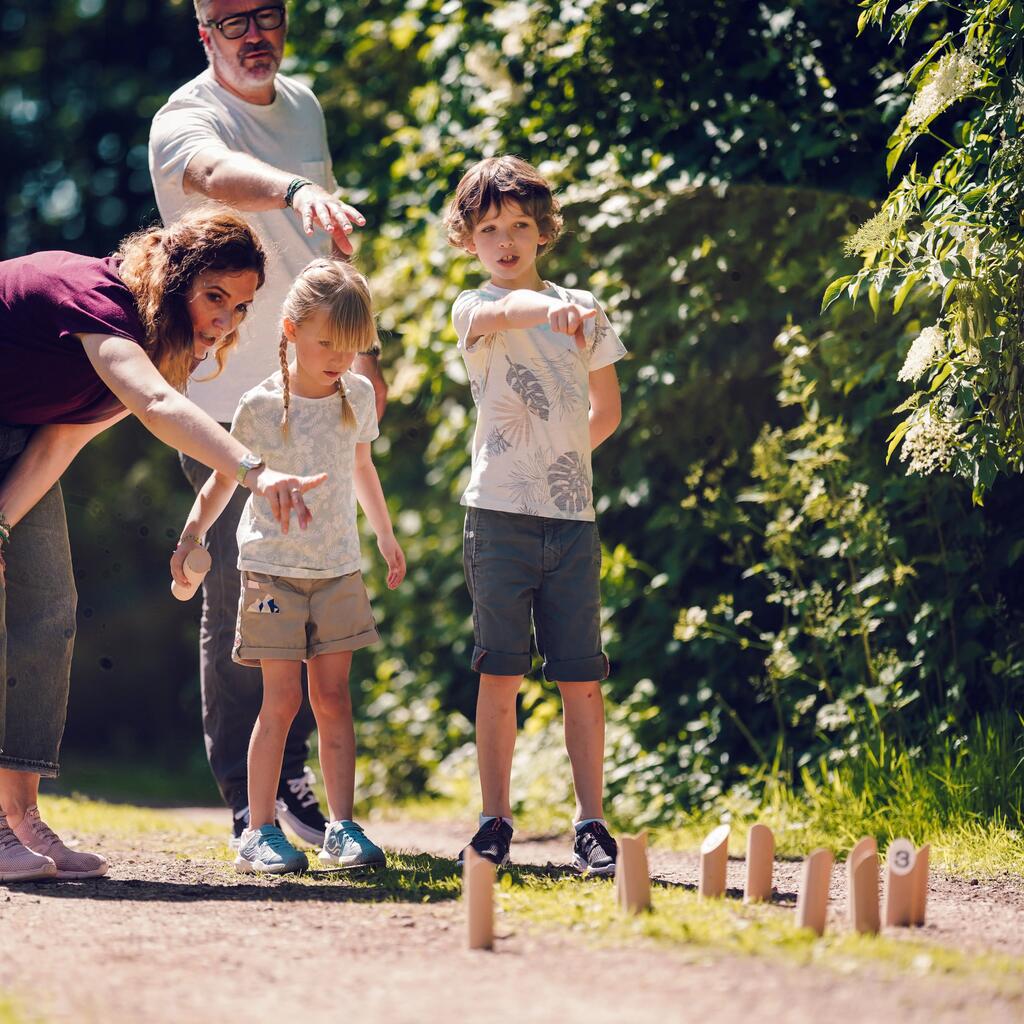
[[265, 850], [346, 844]]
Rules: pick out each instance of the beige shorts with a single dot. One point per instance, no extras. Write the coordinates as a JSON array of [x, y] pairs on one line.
[[297, 619]]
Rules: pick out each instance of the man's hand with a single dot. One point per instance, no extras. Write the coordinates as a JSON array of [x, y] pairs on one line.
[[568, 318], [318, 208]]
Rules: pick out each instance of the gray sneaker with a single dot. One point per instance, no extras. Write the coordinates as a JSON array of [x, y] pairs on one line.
[[265, 850], [346, 844]]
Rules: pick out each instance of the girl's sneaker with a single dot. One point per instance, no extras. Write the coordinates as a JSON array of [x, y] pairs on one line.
[[346, 844], [265, 850]]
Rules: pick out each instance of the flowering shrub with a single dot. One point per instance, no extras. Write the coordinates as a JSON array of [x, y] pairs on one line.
[[950, 231]]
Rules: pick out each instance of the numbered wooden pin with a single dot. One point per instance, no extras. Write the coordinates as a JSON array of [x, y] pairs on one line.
[[478, 890], [862, 886], [632, 876], [920, 902], [714, 857], [197, 565], [812, 902], [899, 883], [760, 864]]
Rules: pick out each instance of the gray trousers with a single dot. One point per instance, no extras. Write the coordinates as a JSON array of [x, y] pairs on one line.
[[232, 694], [37, 628]]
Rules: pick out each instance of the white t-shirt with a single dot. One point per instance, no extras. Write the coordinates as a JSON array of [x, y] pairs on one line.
[[318, 442], [289, 134], [531, 447]]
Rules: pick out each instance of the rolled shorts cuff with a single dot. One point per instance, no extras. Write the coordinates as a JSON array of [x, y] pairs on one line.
[[498, 663], [250, 656], [578, 670], [346, 643], [47, 769]]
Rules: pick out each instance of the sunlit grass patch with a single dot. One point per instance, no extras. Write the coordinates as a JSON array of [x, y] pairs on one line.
[[681, 918], [13, 1012], [78, 814]]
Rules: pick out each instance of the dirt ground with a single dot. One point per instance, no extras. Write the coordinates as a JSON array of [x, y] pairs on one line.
[[166, 939]]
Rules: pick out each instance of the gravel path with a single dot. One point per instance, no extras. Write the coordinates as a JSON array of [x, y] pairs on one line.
[[167, 939]]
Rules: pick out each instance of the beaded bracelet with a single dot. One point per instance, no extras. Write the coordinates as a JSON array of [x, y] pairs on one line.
[[192, 537], [293, 186]]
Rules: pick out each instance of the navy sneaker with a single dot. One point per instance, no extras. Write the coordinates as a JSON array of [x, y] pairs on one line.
[[491, 842], [594, 851], [297, 808]]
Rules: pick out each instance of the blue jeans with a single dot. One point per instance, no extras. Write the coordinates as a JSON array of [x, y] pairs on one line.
[[37, 628], [232, 694]]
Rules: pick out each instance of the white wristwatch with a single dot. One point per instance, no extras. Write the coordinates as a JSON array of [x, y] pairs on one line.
[[249, 461]]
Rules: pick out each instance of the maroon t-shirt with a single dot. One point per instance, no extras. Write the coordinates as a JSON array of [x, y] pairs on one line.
[[46, 299]]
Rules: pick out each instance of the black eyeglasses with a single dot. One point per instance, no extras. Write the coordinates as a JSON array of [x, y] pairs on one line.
[[236, 25]]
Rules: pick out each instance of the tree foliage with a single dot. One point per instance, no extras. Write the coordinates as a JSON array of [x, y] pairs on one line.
[[950, 230]]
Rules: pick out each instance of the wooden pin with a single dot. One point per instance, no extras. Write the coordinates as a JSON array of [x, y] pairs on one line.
[[714, 856], [632, 877], [899, 883], [760, 863], [862, 886], [920, 902], [812, 903], [197, 565], [478, 889]]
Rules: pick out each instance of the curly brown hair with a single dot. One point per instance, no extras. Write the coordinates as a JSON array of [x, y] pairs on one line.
[[490, 183], [159, 266]]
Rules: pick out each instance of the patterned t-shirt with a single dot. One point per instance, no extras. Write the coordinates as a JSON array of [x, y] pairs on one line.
[[531, 448], [318, 442]]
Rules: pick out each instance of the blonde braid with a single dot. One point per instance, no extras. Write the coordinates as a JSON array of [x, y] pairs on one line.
[[348, 414], [283, 354]]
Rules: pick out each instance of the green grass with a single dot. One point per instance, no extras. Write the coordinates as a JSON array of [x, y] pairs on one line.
[[78, 814], [681, 918], [11, 1012]]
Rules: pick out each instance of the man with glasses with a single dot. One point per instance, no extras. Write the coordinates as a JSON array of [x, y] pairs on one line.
[[247, 136]]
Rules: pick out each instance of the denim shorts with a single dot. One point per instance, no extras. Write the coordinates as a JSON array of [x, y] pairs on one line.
[[520, 566], [37, 627]]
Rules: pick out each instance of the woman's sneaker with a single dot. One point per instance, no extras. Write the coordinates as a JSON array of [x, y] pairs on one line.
[[17, 862], [41, 839], [594, 852], [265, 850], [346, 844], [492, 841]]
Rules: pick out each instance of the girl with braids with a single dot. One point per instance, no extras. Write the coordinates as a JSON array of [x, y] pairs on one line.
[[303, 598], [83, 343]]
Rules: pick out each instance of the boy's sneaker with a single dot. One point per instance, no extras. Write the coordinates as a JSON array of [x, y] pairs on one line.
[[297, 808], [346, 844], [34, 833], [492, 840], [594, 851], [265, 850], [17, 862]]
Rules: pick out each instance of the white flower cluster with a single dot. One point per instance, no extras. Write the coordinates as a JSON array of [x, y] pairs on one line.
[[874, 232], [952, 78], [930, 443], [689, 625], [922, 353]]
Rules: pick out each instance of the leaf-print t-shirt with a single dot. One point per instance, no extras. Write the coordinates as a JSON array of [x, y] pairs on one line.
[[318, 442], [531, 448]]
